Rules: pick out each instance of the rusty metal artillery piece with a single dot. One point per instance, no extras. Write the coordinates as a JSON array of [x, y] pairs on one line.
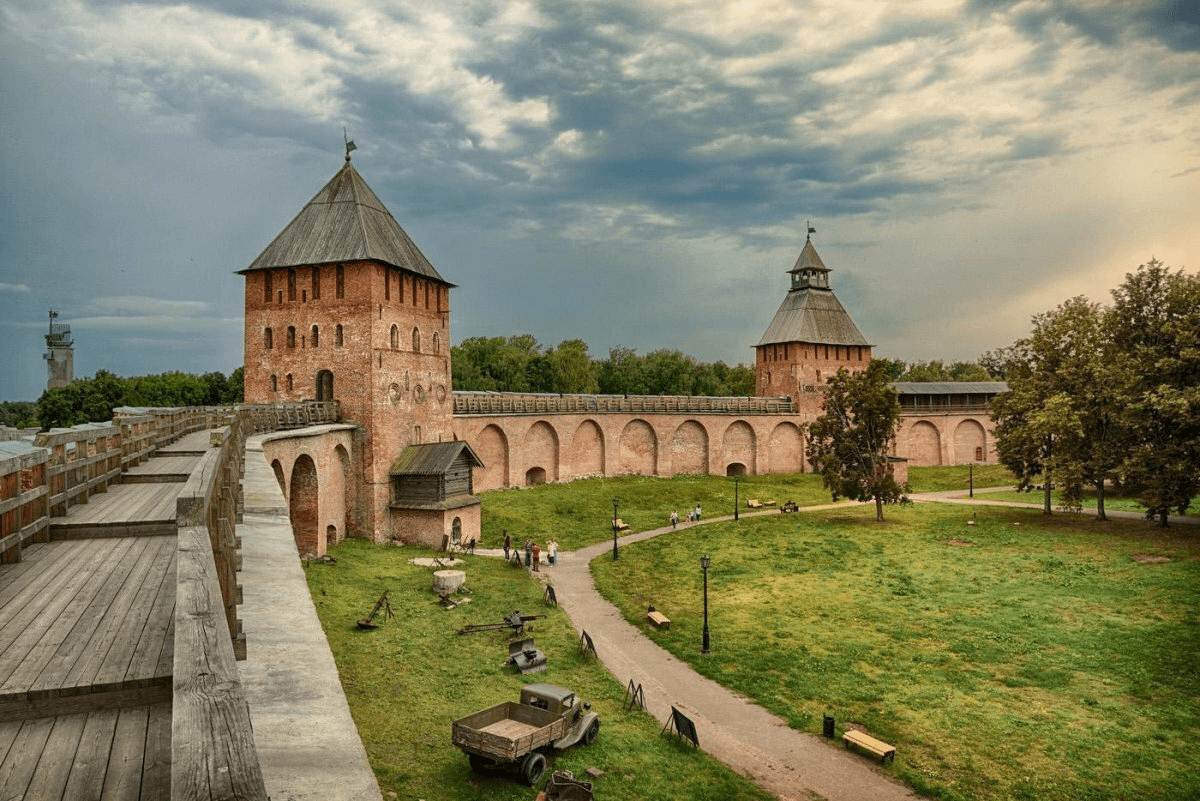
[[514, 623]]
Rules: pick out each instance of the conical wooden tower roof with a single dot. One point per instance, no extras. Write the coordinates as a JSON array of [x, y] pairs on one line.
[[811, 312], [344, 222]]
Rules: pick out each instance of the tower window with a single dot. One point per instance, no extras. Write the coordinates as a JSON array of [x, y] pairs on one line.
[[289, 382], [314, 336], [268, 340], [437, 343], [267, 288], [337, 335], [291, 284], [416, 340], [340, 281], [291, 336], [387, 284], [274, 384], [395, 338], [316, 283]]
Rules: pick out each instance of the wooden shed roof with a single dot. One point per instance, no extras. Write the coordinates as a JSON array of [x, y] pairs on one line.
[[343, 222], [433, 458]]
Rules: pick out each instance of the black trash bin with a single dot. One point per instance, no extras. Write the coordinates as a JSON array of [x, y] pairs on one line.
[[828, 731]]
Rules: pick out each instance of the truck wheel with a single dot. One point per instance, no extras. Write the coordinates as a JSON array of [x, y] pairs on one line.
[[592, 733], [533, 768], [480, 765]]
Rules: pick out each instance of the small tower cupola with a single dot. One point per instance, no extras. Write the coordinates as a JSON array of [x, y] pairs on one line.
[[809, 272]]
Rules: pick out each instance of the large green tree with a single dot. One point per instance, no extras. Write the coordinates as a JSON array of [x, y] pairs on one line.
[[1154, 327], [850, 442], [1060, 418]]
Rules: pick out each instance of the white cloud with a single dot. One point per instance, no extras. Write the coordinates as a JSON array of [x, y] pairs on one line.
[[13, 288]]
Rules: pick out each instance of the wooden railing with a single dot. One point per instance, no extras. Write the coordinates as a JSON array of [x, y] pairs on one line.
[[213, 752], [471, 403]]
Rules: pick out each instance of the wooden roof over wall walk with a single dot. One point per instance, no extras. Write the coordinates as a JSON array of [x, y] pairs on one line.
[[344, 222]]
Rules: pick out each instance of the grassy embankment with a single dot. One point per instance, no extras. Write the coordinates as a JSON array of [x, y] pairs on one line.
[[1017, 658], [409, 679], [1005, 661]]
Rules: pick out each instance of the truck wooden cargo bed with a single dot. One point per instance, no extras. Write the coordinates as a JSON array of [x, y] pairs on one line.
[[507, 731]]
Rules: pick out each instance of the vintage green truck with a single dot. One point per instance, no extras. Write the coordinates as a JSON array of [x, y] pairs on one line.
[[515, 734]]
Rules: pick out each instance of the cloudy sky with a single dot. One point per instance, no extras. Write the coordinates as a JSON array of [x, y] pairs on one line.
[[630, 172]]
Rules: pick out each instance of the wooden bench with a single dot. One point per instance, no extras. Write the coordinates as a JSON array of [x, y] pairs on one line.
[[754, 503], [658, 618], [621, 525], [869, 743]]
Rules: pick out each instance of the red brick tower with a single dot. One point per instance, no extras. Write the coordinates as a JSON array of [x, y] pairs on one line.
[[343, 306], [810, 338]]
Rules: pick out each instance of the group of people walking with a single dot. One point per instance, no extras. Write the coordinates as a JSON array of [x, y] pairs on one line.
[[533, 552], [693, 516]]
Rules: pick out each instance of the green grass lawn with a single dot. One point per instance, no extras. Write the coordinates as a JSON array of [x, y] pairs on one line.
[[580, 513], [409, 679], [1017, 658], [959, 477], [1112, 503]]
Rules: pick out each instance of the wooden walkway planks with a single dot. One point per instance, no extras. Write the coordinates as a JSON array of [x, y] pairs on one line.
[[100, 621], [161, 469], [121, 506], [193, 444], [120, 754]]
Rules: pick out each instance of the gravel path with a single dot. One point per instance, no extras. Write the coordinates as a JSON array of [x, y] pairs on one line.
[[752, 741]]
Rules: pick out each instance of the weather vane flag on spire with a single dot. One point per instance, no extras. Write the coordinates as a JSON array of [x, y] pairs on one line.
[[350, 146]]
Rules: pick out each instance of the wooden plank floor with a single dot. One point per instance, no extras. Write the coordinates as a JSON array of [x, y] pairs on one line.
[[161, 468], [111, 753], [192, 444], [85, 617], [125, 510]]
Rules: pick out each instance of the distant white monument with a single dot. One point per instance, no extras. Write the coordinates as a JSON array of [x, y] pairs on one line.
[[60, 355]]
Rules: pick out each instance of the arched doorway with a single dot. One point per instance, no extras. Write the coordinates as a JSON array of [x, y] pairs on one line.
[[302, 505], [535, 476], [735, 469], [324, 386]]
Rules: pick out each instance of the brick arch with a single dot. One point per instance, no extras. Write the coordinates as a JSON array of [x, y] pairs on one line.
[[302, 506], [637, 450], [970, 442], [739, 444], [924, 444], [587, 450], [277, 469], [343, 463], [492, 448], [539, 449], [689, 448], [785, 449]]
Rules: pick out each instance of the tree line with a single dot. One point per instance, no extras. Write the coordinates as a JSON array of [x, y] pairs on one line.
[[1109, 395], [92, 400], [520, 363]]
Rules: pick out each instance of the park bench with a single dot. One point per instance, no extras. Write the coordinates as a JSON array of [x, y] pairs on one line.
[[658, 618], [621, 525], [754, 503], [869, 743]]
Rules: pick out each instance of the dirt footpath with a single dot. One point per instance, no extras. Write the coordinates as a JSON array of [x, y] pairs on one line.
[[788, 763]]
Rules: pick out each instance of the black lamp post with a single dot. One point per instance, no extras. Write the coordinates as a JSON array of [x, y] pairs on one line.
[[616, 502], [971, 476], [704, 563], [735, 497]]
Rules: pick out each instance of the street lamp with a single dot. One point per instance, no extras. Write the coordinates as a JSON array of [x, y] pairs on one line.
[[616, 503], [971, 476], [735, 497], [704, 563]]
